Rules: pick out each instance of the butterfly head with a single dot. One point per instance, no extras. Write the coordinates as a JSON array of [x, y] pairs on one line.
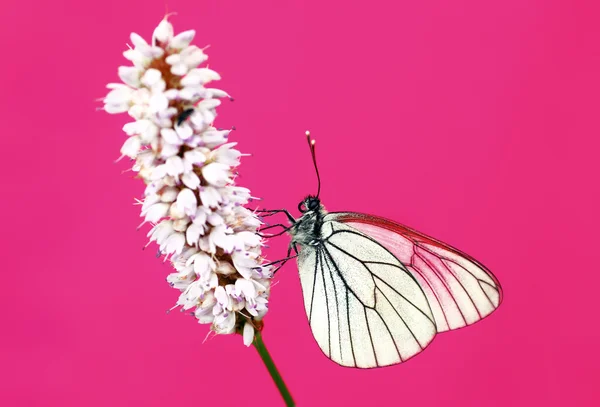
[[309, 204]]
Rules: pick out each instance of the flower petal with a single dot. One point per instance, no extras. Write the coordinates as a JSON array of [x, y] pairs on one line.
[[163, 32], [210, 197], [131, 147], [169, 194], [170, 136], [157, 212], [174, 243], [174, 166], [186, 200], [138, 41], [182, 39], [193, 56], [136, 57], [151, 77], [130, 75], [179, 69], [216, 174], [161, 232], [184, 131], [158, 103], [248, 334], [190, 180], [192, 234]]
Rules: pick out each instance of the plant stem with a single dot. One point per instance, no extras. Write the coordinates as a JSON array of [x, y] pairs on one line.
[[268, 361]]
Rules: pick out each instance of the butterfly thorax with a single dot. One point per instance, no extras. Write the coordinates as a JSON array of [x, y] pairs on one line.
[[307, 230]]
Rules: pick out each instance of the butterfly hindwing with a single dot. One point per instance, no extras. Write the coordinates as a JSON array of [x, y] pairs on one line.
[[364, 307], [459, 289]]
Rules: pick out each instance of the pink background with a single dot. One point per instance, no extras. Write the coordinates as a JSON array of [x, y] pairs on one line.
[[475, 122]]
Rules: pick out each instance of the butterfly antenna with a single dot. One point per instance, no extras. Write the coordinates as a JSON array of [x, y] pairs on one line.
[[311, 145]]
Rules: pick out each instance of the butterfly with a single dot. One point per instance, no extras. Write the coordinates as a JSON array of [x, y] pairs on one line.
[[376, 292]]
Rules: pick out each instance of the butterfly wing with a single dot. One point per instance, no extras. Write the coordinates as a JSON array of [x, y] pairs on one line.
[[460, 290], [364, 307]]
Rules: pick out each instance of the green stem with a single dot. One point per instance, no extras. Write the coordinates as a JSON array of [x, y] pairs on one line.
[[268, 361]]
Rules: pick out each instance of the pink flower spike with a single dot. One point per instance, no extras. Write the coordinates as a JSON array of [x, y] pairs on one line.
[[200, 223]]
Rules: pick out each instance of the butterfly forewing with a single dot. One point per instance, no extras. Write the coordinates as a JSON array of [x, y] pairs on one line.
[[364, 307], [459, 289]]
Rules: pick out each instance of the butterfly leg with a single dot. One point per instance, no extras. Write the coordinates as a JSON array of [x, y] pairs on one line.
[[282, 262], [278, 261], [274, 226], [284, 229], [288, 257], [280, 266], [270, 212]]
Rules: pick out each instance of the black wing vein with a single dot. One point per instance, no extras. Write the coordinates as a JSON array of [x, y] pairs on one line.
[[480, 281], [442, 260], [314, 284], [375, 276], [370, 335], [350, 328], [445, 283], [342, 277], [337, 306], [395, 331], [326, 304], [388, 328], [403, 321]]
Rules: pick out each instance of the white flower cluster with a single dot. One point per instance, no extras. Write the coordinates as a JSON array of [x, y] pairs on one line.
[[198, 214]]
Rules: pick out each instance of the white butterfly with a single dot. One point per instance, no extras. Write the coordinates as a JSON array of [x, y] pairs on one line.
[[376, 292]]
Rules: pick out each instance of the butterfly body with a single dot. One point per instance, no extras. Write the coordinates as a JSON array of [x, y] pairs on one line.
[[307, 229]]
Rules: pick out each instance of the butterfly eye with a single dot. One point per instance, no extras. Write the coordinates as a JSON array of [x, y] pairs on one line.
[[312, 204]]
